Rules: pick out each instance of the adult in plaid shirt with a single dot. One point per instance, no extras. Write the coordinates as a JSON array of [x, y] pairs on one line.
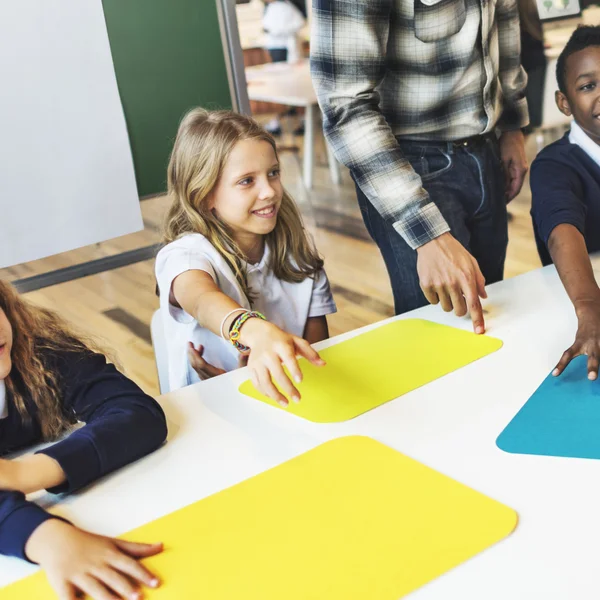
[[414, 93]]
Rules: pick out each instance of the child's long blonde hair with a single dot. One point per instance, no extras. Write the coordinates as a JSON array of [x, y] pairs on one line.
[[203, 144]]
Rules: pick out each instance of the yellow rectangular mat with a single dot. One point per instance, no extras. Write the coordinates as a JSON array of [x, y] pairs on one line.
[[349, 520], [378, 366]]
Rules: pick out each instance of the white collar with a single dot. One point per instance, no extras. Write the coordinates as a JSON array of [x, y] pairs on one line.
[[262, 263], [579, 137], [3, 405]]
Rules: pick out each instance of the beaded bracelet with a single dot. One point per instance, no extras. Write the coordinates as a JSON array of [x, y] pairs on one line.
[[232, 312], [234, 330]]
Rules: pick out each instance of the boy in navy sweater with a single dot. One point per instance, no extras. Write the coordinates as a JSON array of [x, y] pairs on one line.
[[565, 185]]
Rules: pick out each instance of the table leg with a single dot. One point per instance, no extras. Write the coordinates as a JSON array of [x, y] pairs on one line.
[[309, 146]]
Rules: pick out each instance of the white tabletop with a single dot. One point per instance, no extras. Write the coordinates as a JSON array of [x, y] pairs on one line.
[[281, 82], [219, 438]]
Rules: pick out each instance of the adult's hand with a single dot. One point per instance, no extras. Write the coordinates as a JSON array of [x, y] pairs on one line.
[[514, 161], [450, 276]]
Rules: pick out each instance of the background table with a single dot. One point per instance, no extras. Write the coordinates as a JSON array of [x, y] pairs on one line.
[[290, 84], [219, 438]]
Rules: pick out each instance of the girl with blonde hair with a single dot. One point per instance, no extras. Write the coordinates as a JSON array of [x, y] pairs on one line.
[[238, 275], [50, 379]]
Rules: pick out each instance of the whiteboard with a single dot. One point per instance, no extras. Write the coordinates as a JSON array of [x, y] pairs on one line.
[[66, 170]]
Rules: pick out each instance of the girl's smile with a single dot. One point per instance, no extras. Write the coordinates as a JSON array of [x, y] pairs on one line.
[[268, 212]]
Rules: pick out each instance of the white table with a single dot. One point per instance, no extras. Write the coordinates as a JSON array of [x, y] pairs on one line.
[[291, 85], [219, 438]]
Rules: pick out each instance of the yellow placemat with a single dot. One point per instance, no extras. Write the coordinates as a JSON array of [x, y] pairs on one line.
[[350, 520], [378, 366]]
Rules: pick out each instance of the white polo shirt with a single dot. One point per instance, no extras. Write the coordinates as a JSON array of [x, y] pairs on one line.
[[579, 137], [287, 305]]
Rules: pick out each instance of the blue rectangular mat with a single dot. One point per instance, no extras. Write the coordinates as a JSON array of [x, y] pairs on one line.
[[562, 418]]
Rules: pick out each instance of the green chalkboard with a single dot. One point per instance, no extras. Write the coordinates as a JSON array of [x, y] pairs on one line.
[[168, 58]]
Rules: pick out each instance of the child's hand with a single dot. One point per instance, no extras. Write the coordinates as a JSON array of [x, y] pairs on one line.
[[587, 340], [203, 369], [30, 473], [206, 370], [9, 475], [270, 350], [79, 562]]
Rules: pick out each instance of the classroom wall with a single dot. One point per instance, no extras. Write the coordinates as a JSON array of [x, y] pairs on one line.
[[67, 175], [168, 58]]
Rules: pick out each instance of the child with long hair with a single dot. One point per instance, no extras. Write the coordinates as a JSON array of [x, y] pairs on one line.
[[50, 379], [238, 276]]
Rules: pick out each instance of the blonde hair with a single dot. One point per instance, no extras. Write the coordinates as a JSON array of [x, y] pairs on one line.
[[34, 378], [203, 145]]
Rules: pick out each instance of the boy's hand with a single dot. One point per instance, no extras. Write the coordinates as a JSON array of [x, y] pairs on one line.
[[270, 350], [587, 339], [514, 160]]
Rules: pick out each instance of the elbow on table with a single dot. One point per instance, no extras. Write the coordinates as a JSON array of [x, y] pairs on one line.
[[160, 428], [154, 425]]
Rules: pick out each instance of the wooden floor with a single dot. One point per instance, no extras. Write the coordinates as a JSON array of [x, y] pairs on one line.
[[116, 306]]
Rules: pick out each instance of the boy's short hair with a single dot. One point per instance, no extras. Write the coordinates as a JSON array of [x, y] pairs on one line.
[[583, 37]]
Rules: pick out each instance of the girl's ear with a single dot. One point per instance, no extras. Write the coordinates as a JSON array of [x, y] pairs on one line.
[[210, 200], [562, 103]]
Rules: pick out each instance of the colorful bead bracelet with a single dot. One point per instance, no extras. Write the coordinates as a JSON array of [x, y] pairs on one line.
[[236, 326]]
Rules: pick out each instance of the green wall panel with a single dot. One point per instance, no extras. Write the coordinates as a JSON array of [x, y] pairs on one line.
[[168, 58]]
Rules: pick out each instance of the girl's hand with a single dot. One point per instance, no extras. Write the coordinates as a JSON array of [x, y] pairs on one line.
[[79, 562], [206, 370], [203, 369], [587, 340], [270, 350]]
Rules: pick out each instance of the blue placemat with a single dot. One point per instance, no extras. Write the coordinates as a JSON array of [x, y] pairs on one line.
[[562, 418]]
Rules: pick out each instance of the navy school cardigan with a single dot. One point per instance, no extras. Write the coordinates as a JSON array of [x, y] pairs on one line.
[[565, 189], [122, 425]]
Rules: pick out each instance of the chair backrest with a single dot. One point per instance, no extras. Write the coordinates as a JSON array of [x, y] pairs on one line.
[[159, 343]]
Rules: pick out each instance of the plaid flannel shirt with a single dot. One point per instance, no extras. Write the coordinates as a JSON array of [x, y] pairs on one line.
[[438, 70]]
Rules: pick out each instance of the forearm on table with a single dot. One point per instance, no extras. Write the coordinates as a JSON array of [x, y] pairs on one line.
[[34, 472], [569, 253]]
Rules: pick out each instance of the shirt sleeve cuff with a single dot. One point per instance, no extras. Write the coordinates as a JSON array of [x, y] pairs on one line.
[[79, 461], [19, 526], [423, 226], [514, 116], [321, 310], [549, 225]]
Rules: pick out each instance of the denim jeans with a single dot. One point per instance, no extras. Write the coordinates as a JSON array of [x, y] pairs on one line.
[[467, 183]]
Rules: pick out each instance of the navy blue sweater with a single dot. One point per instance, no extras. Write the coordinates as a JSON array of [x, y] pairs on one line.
[[122, 425], [565, 188]]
